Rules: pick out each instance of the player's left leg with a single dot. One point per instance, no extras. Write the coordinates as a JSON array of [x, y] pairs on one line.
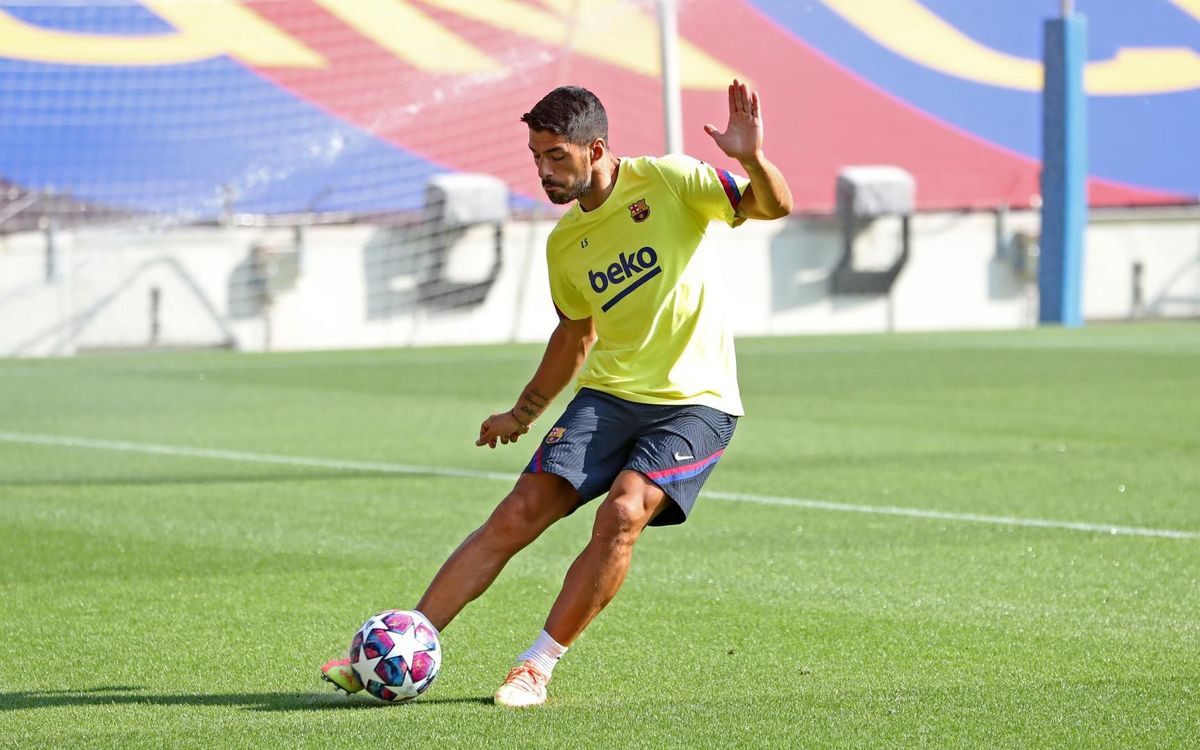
[[596, 575], [591, 583], [675, 453], [669, 463]]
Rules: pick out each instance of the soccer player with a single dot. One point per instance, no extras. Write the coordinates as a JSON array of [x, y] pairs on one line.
[[639, 312]]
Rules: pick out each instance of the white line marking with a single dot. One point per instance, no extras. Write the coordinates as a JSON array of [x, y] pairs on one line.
[[261, 458], [390, 468], [889, 510]]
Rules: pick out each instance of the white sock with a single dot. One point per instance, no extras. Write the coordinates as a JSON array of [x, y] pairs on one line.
[[544, 653]]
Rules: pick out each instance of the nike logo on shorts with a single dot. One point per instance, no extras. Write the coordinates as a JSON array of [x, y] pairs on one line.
[[678, 457]]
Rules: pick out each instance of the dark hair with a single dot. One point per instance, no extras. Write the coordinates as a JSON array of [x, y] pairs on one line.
[[572, 112]]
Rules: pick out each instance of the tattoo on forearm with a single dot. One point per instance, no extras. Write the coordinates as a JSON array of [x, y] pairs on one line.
[[532, 403]]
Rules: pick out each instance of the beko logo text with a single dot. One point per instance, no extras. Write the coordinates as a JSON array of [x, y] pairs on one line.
[[626, 267], [638, 267]]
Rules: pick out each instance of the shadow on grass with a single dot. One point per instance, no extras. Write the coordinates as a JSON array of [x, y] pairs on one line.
[[124, 694]]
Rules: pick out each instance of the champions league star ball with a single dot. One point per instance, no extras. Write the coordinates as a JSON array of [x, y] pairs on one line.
[[396, 654]]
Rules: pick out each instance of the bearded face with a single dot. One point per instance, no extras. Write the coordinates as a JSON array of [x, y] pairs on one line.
[[560, 193], [564, 168]]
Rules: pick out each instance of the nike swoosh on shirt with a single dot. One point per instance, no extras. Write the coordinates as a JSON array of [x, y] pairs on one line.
[[682, 458]]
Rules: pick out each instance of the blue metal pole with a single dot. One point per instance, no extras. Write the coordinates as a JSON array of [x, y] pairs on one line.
[[1064, 172]]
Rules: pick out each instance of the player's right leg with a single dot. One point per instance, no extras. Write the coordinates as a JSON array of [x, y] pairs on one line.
[[341, 675], [536, 502]]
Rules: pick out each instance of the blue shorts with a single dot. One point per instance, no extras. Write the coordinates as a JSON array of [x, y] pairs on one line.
[[599, 436]]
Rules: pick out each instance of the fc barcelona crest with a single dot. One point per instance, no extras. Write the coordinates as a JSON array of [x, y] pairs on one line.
[[639, 211], [556, 434]]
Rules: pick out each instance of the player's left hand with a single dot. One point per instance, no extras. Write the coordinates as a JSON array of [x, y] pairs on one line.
[[743, 136], [503, 428]]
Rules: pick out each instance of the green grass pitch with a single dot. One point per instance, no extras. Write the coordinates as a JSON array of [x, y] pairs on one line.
[[153, 597]]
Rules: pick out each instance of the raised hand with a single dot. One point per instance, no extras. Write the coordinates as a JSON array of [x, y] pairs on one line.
[[743, 136]]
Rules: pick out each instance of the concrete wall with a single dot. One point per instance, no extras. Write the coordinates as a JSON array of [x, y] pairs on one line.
[[364, 286]]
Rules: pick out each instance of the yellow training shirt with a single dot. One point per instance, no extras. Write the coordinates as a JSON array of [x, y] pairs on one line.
[[635, 265]]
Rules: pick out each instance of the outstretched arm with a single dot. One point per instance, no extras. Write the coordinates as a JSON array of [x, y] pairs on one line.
[[565, 353], [768, 196]]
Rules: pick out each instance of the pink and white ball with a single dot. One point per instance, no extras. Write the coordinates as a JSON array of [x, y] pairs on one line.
[[396, 654]]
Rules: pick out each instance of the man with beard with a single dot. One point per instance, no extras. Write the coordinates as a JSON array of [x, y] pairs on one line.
[[638, 303]]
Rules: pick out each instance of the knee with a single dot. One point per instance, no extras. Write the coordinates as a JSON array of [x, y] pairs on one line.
[[621, 518], [518, 519]]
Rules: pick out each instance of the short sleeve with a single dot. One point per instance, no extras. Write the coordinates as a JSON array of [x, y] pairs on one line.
[[711, 192], [568, 302]]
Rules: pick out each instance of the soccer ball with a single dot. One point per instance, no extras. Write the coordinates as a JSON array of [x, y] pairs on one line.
[[396, 654]]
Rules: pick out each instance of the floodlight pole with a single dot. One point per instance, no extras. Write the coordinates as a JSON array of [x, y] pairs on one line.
[[668, 36], [1064, 170]]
